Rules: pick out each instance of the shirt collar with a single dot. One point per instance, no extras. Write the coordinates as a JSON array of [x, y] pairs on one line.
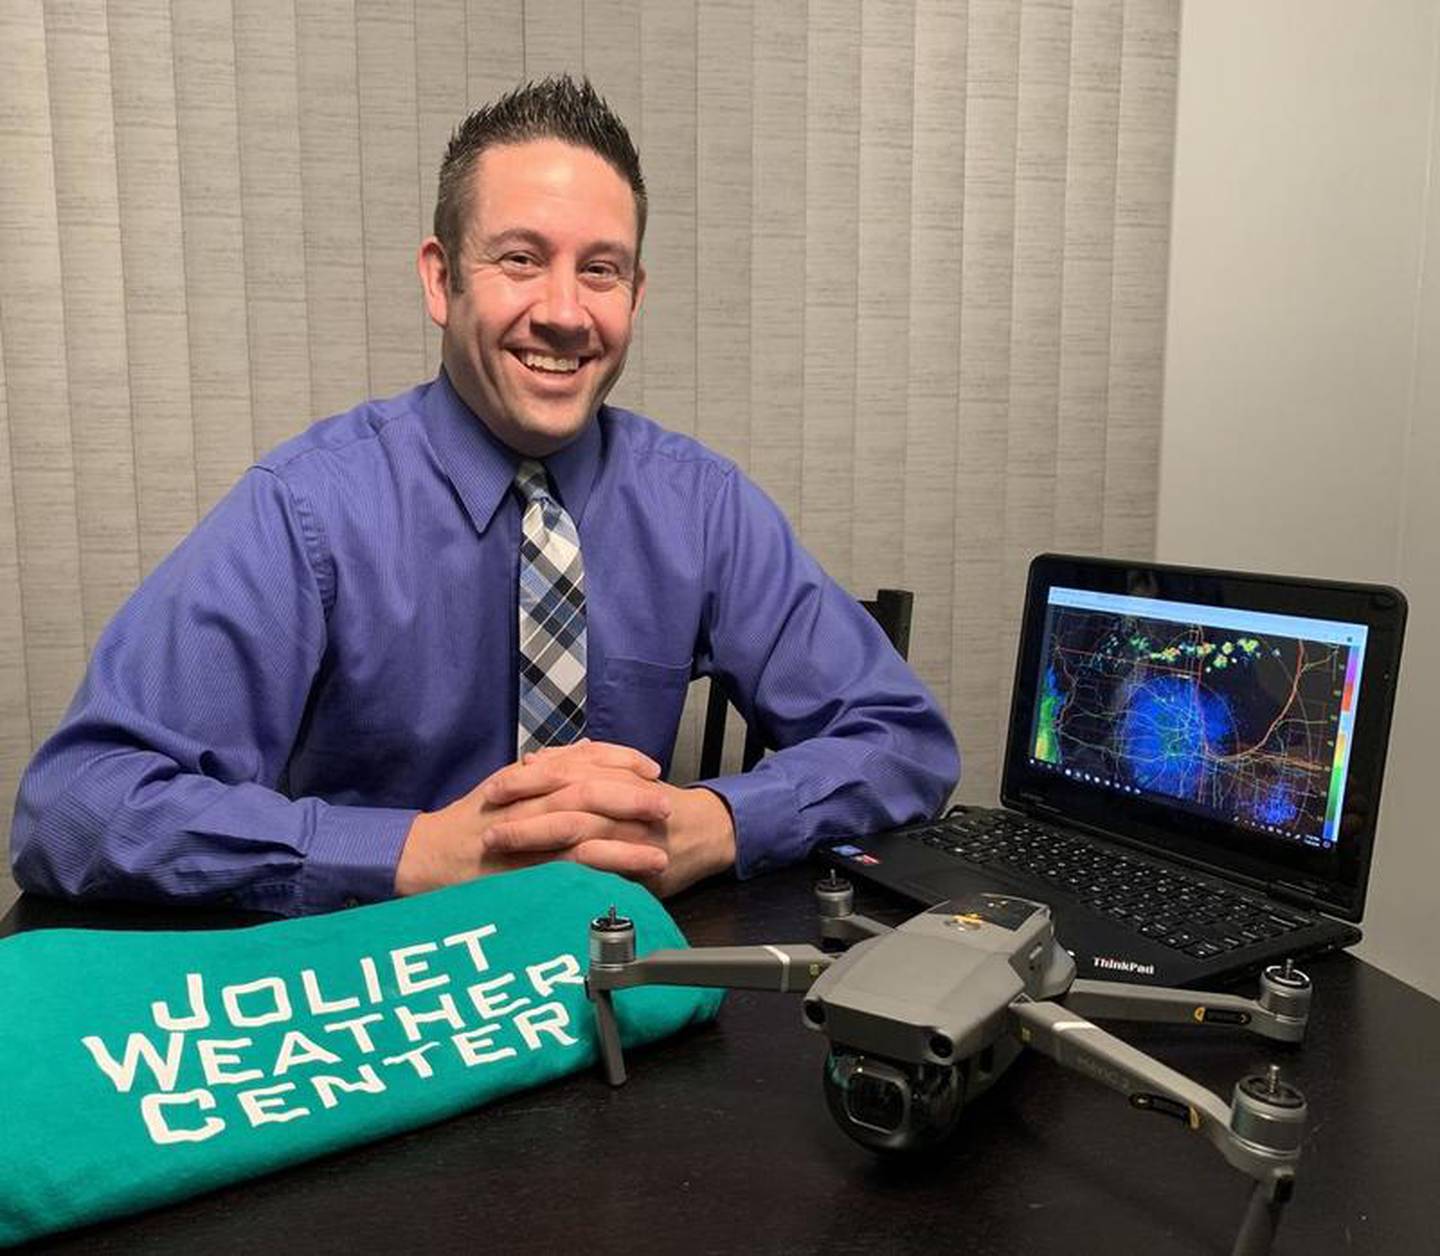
[[482, 468]]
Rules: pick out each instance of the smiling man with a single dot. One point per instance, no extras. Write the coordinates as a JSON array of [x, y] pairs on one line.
[[449, 633], [539, 302]]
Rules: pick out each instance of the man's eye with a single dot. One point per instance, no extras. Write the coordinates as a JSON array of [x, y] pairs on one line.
[[519, 261], [602, 273]]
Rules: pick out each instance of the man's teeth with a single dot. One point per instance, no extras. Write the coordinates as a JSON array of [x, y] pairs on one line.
[[543, 362]]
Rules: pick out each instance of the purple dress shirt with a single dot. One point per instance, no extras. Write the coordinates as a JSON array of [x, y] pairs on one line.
[[334, 648]]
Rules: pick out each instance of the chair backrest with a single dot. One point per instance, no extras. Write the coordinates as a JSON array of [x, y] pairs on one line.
[[892, 609]]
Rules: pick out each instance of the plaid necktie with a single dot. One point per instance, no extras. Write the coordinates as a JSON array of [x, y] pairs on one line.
[[552, 619]]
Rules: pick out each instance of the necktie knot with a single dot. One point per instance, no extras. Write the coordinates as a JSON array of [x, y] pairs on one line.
[[531, 482]]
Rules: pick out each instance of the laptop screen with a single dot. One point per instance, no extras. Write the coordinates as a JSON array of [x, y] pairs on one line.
[[1238, 715], [1233, 719]]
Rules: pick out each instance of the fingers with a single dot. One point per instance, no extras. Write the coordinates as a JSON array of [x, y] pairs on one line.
[[601, 754], [640, 862], [530, 778], [632, 850], [628, 859], [617, 797], [557, 831], [552, 785]]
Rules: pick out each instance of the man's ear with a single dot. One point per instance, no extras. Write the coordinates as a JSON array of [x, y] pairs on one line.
[[639, 298], [434, 269]]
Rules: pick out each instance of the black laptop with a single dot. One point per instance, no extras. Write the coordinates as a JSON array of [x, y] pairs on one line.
[[1192, 770]]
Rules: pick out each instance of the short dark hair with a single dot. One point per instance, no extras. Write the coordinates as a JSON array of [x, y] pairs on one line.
[[556, 108]]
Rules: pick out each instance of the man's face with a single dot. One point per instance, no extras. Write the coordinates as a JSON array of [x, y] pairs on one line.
[[550, 285]]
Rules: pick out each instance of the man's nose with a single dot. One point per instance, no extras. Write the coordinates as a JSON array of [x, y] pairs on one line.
[[560, 307]]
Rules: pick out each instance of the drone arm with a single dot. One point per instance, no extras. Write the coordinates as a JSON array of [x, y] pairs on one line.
[[1281, 1020], [851, 929], [1259, 1134], [784, 969], [1077, 1044], [613, 966]]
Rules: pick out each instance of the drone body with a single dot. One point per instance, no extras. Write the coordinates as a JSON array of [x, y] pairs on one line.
[[919, 1017], [923, 1018], [937, 988]]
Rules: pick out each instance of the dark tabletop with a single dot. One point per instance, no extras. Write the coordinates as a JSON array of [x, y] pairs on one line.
[[721, 1142]]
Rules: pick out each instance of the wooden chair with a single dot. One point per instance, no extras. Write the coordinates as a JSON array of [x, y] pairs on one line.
[[892, 609]]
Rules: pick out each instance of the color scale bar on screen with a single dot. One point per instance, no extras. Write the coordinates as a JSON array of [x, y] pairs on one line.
[[1337, 788], [1352, 675], [1343, 734]]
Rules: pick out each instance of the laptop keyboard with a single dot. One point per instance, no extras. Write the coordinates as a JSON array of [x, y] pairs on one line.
[[1187, 913]]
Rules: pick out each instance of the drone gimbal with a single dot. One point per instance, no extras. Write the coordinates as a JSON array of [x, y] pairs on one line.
[[924, 1017]]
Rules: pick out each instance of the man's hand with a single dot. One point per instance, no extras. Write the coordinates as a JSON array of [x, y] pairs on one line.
[[700, 839], [697, 837], [593, 802]]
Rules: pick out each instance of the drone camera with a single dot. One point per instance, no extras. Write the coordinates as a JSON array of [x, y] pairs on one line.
[[889, 1106], [877, 1097]]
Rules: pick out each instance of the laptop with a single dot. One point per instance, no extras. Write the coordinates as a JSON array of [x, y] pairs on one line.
[[1192, 770]]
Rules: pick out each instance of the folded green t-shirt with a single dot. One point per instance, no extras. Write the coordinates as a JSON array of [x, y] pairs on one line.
[[145, 1067]]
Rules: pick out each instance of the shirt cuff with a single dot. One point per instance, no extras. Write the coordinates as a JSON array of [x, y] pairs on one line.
[[352, 857], [768, 832]]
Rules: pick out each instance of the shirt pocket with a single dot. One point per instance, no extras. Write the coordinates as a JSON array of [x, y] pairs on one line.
[[638, 703]]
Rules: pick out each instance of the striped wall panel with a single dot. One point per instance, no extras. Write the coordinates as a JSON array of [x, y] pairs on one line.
[[906, 259]]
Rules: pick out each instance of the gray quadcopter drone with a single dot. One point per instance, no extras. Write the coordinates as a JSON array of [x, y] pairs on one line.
[[924, 1017]]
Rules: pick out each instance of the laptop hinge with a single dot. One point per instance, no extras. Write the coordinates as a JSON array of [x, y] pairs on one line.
[[1295, 895]]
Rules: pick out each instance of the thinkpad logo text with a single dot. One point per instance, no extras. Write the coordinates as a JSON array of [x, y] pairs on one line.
[[1124, 965]]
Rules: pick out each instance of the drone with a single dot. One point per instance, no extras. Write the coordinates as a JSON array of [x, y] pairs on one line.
[[925, 1017]]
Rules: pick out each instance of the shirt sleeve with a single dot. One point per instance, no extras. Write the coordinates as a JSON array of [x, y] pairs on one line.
[[861, 742], [164, 779]]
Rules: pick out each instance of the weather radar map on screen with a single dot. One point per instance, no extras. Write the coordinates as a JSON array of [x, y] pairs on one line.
[[1240, 715]]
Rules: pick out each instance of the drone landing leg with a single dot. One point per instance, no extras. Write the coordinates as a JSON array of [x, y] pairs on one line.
[[608, 1034], [1262, 1218], [612, 945]]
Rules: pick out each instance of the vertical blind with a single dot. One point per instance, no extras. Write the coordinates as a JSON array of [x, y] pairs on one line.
[[907, 264]]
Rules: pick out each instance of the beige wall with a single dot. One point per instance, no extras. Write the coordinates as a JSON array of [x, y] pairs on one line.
[[1302, 395]]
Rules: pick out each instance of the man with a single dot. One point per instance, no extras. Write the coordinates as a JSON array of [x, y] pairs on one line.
[[332, 691]]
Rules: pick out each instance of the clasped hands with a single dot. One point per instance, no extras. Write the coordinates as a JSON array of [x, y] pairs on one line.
[[593, 802]]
